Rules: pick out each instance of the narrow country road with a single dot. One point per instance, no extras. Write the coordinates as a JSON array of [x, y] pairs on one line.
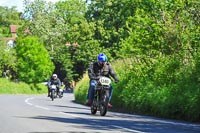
[[38, 114]]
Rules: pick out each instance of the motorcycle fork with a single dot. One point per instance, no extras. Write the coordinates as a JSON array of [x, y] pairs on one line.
[[105, 97], [96, 99]]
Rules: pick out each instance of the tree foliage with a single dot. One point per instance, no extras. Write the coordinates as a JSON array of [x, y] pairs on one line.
[[161, 27], [110, 17], [7, 60], [56, 24], [8, 16], [34, 64]]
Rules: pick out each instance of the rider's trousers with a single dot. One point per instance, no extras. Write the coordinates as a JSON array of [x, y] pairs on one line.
[[91, 90]]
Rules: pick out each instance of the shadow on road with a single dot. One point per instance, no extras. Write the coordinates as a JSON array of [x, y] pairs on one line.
[[103, 123], [84, 122], [50, 132]]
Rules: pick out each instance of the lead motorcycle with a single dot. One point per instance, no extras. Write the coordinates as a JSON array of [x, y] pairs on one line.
[[53, 93], [101, 97]]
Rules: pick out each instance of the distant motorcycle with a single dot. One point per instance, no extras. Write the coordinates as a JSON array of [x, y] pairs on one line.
[[53, 92], [101, 97], [68, 87]]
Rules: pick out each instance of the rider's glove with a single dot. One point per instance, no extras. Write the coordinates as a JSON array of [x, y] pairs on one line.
[[97, 78]]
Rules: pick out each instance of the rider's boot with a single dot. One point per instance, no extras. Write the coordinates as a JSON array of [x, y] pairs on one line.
[[109, 105], [89, 103]]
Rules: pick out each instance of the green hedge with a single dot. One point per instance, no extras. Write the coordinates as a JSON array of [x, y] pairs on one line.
[[165, 87]]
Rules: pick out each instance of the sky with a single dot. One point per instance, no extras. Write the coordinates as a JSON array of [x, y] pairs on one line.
[[17, 3]]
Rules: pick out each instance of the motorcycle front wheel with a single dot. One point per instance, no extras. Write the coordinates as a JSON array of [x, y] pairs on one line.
[[52, 94], [103, 109], [104, 104], [93, 108]]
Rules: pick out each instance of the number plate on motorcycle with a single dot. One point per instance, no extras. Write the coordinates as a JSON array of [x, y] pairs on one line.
[[53, 86], [105, 81]]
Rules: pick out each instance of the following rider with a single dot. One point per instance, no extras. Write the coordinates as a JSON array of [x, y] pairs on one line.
[[54, 80]]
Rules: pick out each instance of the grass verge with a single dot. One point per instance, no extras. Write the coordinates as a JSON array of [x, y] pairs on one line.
[[10, 87]]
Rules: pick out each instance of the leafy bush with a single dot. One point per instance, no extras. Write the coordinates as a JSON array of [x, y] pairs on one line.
[[34, 64]]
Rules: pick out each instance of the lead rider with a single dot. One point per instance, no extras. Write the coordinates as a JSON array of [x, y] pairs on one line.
[[95, 71]]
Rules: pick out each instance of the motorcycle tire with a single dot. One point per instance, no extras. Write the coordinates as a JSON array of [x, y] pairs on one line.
[[52, 94], [104, 104], [103, 109], [60, 95], [93, 108]]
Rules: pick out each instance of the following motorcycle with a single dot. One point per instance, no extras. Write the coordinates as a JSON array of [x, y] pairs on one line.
[[101, 96], [53, 92]]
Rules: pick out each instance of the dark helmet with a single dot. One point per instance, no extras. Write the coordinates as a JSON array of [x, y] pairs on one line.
[[102, 57]]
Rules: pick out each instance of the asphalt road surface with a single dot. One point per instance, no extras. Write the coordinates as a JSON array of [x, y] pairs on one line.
[[38, 114]]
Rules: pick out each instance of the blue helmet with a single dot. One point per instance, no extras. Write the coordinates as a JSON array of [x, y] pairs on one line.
[[102, 57]]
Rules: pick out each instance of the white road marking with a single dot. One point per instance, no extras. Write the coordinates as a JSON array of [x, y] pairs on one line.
[[27, 101], [37, 106], [127, 129], [41, 107], [70, 114], [177, 123]]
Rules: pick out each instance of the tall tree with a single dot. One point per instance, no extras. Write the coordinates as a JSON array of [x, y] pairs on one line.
[[110, 18], [61, 23], [79, 32], [46, 24]]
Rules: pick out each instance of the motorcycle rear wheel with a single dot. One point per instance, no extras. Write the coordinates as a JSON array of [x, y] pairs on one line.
[[60, 94]]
